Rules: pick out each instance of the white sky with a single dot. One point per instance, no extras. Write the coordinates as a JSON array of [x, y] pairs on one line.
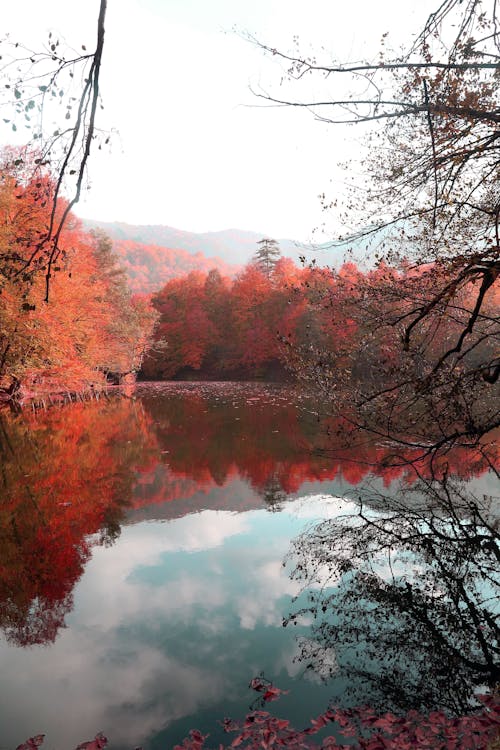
[[195, 150]]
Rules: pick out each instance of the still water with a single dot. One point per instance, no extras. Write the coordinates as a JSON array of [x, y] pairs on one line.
[[147, 558]]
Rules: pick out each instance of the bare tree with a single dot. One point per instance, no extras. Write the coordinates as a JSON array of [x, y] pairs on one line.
[[432, 198]]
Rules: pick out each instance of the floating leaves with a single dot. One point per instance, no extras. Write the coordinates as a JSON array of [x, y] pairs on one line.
[[363, 729]]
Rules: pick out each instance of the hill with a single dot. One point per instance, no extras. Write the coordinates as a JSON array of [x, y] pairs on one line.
[[153, 254], [149, 267], [234, 246]]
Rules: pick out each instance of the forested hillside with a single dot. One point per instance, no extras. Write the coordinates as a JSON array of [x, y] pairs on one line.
[[232, 246], [149, 267]]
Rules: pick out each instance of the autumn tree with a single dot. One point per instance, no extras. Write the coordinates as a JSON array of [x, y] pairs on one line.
[[432, 198], [90, 326], [224, 327], [131, 321], [34, 81]]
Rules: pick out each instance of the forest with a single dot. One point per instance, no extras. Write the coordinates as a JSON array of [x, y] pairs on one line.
[[149, 266], [345, 333], [340, 333], [252, 325]]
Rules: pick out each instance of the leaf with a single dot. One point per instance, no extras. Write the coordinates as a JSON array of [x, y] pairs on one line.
[[259, 684], [99, 742], [32, 743], [273, 693]]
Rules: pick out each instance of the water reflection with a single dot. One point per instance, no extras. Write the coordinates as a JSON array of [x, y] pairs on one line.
[[66, 474], [168, 623], [152, 628], [71, 476], [405, 602], [209, 431]]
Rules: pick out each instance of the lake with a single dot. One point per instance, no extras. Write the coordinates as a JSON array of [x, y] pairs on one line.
[[152, 548]]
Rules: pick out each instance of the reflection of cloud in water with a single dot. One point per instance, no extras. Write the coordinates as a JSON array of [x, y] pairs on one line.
[[112, 574], [143, 645], [93, 688], [261, 602], [319, 507]]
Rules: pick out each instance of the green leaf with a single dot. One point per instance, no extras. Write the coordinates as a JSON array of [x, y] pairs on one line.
[[17, 93]]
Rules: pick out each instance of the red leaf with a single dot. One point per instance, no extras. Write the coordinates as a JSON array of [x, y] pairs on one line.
[[97, 743], [32, 743], [273, 693]]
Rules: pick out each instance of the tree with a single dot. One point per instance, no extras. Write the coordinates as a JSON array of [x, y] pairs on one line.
[[434, 164], [40, 78], [90, 326], [267, 255], [131, 319]]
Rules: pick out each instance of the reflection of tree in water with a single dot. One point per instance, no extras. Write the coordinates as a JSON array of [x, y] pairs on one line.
[[405, 602], [65, 478], [273, 494], [35, 622], [268, 434]]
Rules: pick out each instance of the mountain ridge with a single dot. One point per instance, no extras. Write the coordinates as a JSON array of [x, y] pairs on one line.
[[152, 254], [230, 245]]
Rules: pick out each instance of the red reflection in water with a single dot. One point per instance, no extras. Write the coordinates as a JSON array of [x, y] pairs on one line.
[[66, 475], [212, 435], [69, 474]]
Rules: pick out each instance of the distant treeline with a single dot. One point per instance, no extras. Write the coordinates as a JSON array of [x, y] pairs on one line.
[[290, 321], [249, 327]]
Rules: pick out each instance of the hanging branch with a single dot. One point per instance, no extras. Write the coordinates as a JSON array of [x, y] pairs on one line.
[[433, 143], [90, 97], [31, 90]]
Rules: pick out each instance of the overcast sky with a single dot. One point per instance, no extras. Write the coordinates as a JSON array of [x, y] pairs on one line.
[[195, 149]]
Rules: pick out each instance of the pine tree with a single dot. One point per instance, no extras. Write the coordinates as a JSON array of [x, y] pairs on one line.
[[267, 255]]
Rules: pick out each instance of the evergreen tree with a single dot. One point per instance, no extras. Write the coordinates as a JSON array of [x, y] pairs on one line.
[[267, 255]]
